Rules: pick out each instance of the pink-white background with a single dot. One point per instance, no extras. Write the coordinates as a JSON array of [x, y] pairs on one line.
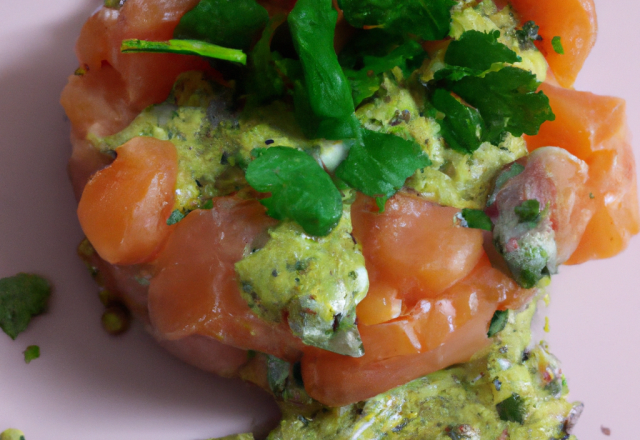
[[90, 386]]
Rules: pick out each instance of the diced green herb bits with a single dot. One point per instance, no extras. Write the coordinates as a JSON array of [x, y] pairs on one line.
[[22, 297], [556, 43], [528, 211], [498, 322], [30, 353], [512, 409], [476, 219]]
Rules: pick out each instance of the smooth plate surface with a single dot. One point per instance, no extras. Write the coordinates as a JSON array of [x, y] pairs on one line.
[[90, 386]]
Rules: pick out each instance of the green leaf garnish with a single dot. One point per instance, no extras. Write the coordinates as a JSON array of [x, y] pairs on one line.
[[32, 352], [175, 217], [498, 322], [22, 297], [476, 219], [556, 43], [379, 165], [228, 23], [507, 101], [300, 189], [429, 20], [479, 51], [184, 47], [277, 374], [264, 80], [366, 81], [528, 34], [528, 211], [462, 127], [512, 409], [324, 107]]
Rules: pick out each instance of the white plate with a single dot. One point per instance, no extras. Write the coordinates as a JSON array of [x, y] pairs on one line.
[[90, 386]]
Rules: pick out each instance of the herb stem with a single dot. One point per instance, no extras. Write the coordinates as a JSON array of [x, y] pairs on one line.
[[185, 47]]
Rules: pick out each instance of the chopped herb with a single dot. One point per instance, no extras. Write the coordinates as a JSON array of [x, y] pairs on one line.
[[175, 217], [22, 297], [507, 101], [528, 211], [380, 165], [324, 107], [277, 374], [462, 127], [429, 20], [478, 51], [498, 322], [185, 47], [591, 196], [226, 23], [366, 81], [476, 219], [207, 205], [528, 35], [32, 352], [512, 409], [300, 189], [265, 81], [556, 43]]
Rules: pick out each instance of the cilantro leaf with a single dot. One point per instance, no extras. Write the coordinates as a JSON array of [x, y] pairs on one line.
[[366, 81], [498, 322], [264, 81], [476, 219], [507, 101], [22, 297], [185, 47], [479, 51], [556, 43], [367, 42], [512, 409], [429, 20], [300, 189], [277, 374], [226, 23], [32, 352], [379, 165], [528, 211], [324, 107], [462, 127]]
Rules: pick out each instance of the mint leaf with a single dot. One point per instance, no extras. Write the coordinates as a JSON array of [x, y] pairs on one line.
[[556, 43], [512, 409], [228, 23], [184, 47], [324, 107], [498, 322], [429, 20], [462, 127], [479, 51], [300, 189], [22, 297], [507, 101], [366, 81], [379, 165], [476, 219], [32, 352], [528, 211]]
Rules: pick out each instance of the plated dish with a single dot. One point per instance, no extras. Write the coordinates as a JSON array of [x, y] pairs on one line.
[[187, 217]]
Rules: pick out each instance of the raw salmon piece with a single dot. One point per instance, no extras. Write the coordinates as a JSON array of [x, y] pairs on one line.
[[124, 208], [594, 128], [195, 291], [574, 21]]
